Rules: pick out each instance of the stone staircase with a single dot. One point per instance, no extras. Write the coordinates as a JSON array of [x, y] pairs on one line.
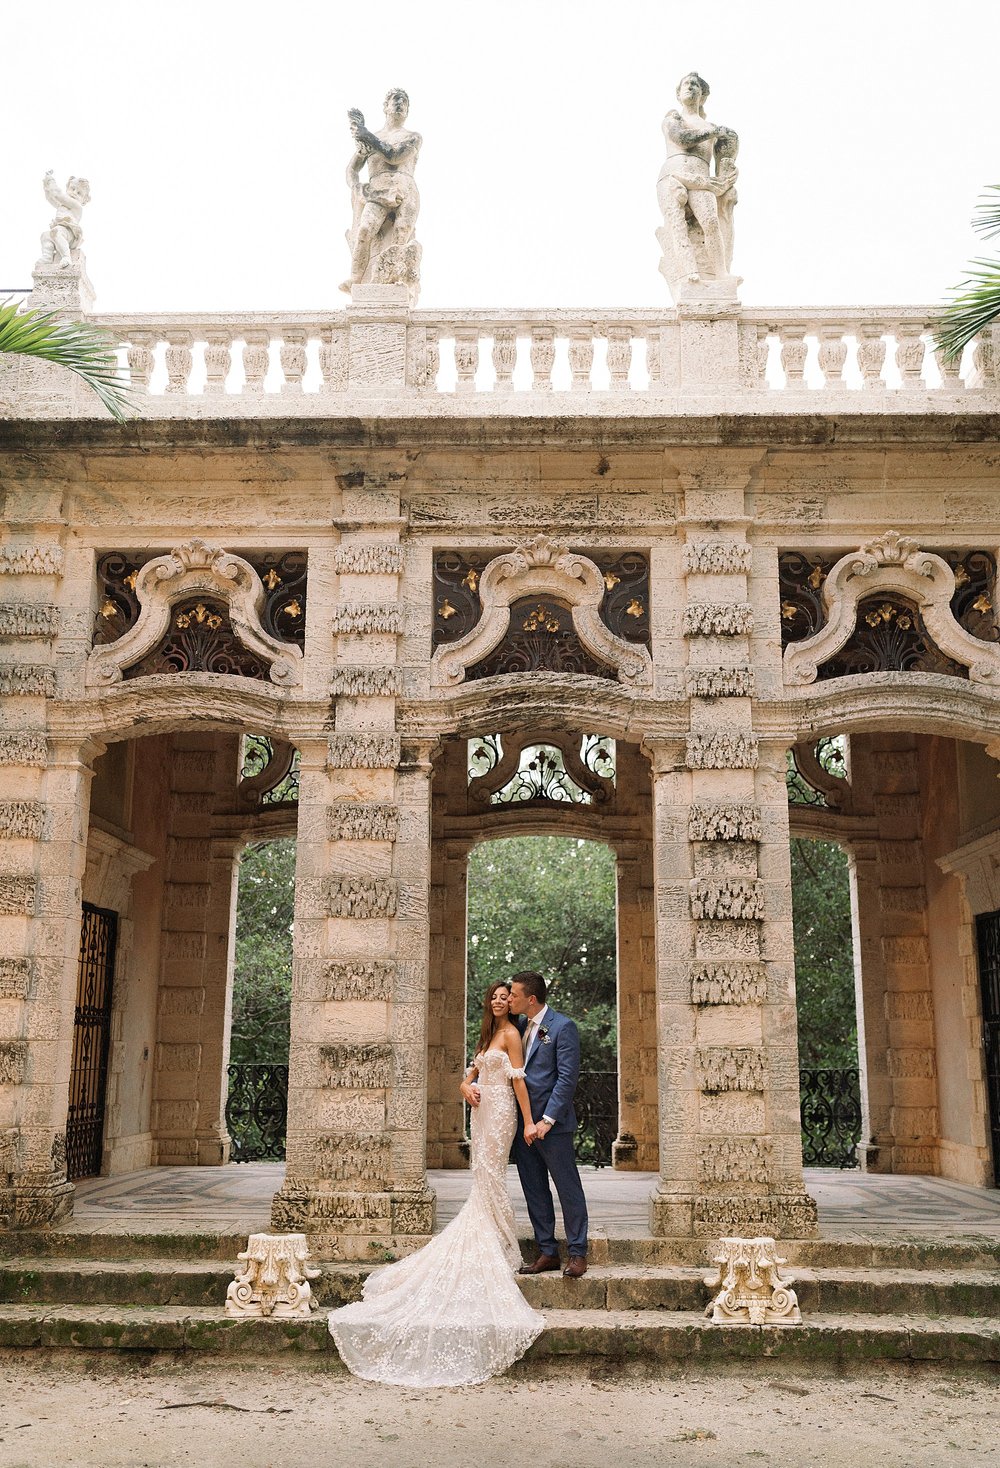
[[639, 1306]]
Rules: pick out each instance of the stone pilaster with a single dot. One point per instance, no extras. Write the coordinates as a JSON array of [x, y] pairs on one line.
[[447, 1145], [192, 1048]]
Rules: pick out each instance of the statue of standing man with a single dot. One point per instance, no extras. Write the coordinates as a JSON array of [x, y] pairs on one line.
[[383, 248], [696, 193]]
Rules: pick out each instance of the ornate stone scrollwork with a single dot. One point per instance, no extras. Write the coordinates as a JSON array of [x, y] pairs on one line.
[[544, 569], [891, 564], [196, 569], [749, 1286], [274, 1279]]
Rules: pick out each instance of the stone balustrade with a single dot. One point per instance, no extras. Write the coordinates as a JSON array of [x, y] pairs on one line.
[[256, 364]]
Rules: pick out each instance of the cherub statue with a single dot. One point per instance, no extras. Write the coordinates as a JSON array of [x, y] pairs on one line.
[[62, 240], [697, 203], [383, 249]]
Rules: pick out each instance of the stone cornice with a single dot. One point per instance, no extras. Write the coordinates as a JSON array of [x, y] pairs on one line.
[[400, 422]]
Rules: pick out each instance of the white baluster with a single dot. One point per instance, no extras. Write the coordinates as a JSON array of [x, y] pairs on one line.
[[218, 359], [140, 359], [762, 354], [909, 357], [984, 363], [832, 356], [951, 371], [619, 356], [581, 359], [794, 350], [543, 356], [178, 360], [256, 360], [466, 359], [871, 356], [293, 359], [504, 356]]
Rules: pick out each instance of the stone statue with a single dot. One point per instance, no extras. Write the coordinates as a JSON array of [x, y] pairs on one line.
[[697, 202], [61, 241], [383, 248]]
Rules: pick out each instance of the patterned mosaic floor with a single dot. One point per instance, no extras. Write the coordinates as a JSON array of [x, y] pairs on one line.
[[237, 1199]]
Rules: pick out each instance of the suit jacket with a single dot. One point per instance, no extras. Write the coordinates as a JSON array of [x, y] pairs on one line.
[[552, 1070]]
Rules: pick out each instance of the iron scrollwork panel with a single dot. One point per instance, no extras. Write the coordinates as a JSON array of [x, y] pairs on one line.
[[91, 1042], [830, 1106], [257, 1112], [596, 1105]]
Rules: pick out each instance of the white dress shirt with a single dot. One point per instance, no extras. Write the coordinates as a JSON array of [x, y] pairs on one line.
[[538, 1021]]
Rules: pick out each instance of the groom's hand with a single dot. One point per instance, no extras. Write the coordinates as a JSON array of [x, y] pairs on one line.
[[542, 1129], [470, 1092]]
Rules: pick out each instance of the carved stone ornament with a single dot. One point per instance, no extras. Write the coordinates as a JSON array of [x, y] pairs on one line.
[[274, 1279], [891, 563], [541, 568], [192, 570], [749, 1286]]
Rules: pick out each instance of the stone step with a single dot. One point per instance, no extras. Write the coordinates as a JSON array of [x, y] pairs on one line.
[[974, 1251], [160, 1282], [581, 1338]]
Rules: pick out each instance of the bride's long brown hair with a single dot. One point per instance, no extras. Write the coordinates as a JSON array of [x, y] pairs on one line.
[[490, 1023]]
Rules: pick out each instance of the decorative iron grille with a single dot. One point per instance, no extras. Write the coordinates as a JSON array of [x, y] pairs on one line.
[[830, 1107], [541, 637], [200, 639], [282, 572], [91, 1042], [830, 754], [879, 642], [624, 610], [270, 773], [545, 772], [257, 1112], [596, 1106]]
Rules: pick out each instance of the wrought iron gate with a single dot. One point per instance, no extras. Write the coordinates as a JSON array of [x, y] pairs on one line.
[[256, 1112], [830, 1111], [91, 1040], [988, 944]]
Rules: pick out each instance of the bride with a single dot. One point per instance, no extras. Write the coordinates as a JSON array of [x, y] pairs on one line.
[[452, 1314]]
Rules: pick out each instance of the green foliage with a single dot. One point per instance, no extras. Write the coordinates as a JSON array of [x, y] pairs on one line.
[[975, 304], [824, 955], [76, 345], [548, 903], [262, 983]]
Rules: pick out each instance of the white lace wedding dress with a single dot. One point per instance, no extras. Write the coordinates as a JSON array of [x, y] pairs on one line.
[[452, 1314]]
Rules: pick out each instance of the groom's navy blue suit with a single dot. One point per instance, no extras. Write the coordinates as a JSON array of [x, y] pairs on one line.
[[551, 1074]]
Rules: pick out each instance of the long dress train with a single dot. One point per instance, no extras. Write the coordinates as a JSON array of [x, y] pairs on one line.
[[452, 1313]]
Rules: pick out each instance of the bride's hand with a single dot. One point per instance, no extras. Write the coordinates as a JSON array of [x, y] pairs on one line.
[[471, 1092], [530, 1133]]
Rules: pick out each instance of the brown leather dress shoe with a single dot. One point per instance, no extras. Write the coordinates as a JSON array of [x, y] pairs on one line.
[[542, 1264], [576, 1266]]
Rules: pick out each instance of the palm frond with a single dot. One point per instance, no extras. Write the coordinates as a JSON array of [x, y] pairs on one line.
[[986, 220], [81, 348], [975, 303]]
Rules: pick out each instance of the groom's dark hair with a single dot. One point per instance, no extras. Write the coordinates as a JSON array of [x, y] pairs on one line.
[[533, 985]]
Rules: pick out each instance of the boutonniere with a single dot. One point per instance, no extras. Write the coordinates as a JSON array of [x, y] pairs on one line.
[[543, 1033]]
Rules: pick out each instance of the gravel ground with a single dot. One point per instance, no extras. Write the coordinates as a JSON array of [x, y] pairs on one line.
[[57, 1408]]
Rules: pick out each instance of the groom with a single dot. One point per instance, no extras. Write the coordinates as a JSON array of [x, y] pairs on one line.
[[551, 1068]]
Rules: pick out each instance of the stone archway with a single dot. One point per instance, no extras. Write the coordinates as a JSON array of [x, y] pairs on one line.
[[617, 813]]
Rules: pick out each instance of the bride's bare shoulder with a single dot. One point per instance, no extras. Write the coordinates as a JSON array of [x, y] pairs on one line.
[[512, 1043]]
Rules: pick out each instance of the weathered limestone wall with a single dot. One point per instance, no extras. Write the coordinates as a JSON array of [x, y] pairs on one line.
[[446, 1043]]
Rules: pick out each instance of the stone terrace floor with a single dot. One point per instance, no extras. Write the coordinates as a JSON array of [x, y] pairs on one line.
[[237, 1198]]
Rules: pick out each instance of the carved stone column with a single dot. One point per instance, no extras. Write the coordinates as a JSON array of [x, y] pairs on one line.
[[43, 816], [357, 1067]]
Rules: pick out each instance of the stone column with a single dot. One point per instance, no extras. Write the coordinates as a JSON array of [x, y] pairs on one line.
[[898, 1003], [447, 1144], [357, 1067], [636, 1148], [192, 1047], [43, 814]]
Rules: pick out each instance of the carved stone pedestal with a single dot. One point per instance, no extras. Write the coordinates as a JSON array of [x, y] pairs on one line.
[[750, 1289], [275, 1278]]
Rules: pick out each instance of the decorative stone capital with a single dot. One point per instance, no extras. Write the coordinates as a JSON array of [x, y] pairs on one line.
[[274, 1279], [750, 1288]]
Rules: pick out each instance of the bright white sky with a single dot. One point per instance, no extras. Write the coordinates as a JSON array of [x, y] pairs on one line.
[[215, 139]]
